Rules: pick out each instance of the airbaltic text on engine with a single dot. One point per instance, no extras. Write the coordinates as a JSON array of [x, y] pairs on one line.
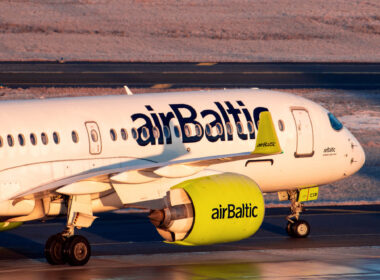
[[231, 211], [181, 110]]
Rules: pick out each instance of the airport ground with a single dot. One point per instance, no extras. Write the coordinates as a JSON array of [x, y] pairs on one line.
[[344, 244], [170, 30]]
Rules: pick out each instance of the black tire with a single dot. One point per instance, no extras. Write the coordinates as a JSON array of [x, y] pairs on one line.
[[54, 249], [301, 229], [77, 250], [289, 229]]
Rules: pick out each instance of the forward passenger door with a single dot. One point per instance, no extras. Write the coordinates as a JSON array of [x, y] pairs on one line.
[[305, 137]]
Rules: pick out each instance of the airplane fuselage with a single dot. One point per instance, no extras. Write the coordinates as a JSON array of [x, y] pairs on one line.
[[44, 141]]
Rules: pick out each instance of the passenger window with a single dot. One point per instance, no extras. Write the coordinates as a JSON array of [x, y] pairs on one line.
[[156, 132], [208, 129], [144, 133], [251, 128], [219, 128], [281, 125], [94, 135], [134, 133], [56, 137], [33, 139], [21, 139], [113, 134], [177, 131], [44, 138], [198, 130], [187, 130], [240, 128], [123, 134], [166, 131], [74, 136], [230, 129], [10, 140]]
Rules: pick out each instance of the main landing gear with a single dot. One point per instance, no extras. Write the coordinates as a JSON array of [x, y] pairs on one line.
[[66, 247], [296, 227], [74, 250]]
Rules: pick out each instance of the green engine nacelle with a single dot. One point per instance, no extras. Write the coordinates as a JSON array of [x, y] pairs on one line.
[[9, 225], [213, 209]]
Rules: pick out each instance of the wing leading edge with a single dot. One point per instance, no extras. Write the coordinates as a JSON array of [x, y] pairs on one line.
[[267, 143]]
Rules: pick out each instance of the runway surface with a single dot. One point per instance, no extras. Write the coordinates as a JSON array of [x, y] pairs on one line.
[[344, 243], [165, 75]]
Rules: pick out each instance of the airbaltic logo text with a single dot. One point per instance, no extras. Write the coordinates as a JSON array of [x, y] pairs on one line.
[[266, 144], [231, 211], [154, 128]]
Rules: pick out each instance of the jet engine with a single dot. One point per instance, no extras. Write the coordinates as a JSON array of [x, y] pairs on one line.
[[213, 209]]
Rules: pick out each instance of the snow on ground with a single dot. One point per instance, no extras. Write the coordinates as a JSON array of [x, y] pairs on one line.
[[190, 30], [358, 110], [368, 119]]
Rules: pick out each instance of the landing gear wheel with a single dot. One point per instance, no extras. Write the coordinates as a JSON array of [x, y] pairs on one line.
[[77, 250], [54, 249], [300, 229], [289, 229]]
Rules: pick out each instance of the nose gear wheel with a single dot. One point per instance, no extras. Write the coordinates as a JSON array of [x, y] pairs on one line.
[[298, 229]]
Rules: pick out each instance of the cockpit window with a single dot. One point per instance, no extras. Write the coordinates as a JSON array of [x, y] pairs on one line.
[[335, 123]]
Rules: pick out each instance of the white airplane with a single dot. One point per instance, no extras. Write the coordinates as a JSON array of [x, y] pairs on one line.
[[199, 161]]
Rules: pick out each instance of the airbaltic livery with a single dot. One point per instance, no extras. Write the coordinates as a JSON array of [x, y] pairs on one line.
[[198, 161]]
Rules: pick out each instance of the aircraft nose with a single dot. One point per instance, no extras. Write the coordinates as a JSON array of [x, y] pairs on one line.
[[358, 156]]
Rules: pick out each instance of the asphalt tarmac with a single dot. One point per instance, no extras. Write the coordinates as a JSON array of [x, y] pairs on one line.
[[193, 74], [344, 243]]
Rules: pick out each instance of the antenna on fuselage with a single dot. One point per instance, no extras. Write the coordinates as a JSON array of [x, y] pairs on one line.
[[127, 90]]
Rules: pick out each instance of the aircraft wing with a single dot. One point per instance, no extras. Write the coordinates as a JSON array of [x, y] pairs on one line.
[[267, 143]]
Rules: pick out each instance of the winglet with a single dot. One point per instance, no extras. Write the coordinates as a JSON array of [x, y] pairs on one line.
[[267, 141]]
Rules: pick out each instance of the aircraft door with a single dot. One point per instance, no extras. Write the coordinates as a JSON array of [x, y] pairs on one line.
[[305, 137], [94, 139]]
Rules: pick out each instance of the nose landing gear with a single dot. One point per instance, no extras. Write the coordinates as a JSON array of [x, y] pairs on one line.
[[296, 227]]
